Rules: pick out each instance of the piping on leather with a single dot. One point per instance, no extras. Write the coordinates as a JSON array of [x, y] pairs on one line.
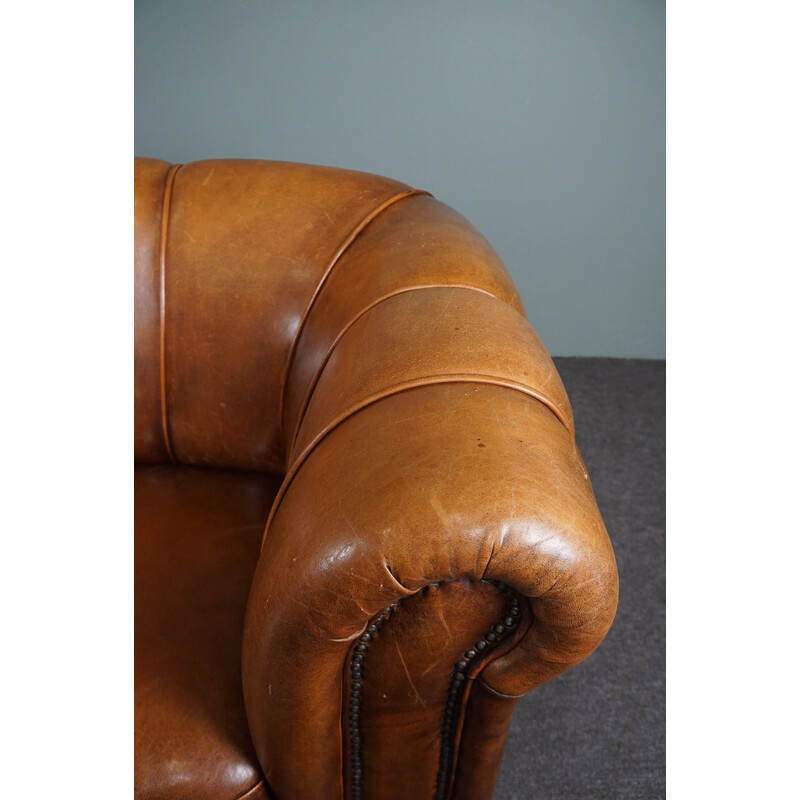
[[501, 695], [162, 304], [318, 372], [416, 383], [351, 237], [252, 790]]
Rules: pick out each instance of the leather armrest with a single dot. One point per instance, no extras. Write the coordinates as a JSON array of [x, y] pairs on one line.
[[437, 446]]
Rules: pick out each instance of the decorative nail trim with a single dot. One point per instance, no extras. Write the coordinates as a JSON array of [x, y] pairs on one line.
[[356, 689], [455, 693], [458, 681]]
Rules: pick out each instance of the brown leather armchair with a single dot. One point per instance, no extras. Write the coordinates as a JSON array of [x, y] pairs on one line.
[[341, 365]]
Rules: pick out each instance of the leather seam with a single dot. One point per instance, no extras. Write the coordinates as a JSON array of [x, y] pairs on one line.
[[417, 383], [320, 368], [162, 306], [494, 691], [248, 792], [454, 377], [340, 251]]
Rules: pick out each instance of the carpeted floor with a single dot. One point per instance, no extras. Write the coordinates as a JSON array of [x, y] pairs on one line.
[[598, 731]]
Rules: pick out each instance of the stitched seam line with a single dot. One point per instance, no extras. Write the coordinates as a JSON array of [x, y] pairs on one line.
[[162, 304], [349, 239], [318, 372], [392, 390]]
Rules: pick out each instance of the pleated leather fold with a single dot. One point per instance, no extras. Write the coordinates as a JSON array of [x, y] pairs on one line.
[[432, 335]]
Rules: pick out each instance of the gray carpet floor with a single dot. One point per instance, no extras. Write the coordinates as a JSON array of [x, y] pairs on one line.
[[598, 731]]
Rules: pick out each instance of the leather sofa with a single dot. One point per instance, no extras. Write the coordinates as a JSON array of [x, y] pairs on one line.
[[363, 527]]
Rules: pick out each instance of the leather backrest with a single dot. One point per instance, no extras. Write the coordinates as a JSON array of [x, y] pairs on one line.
[[252, 275], [229, 256]]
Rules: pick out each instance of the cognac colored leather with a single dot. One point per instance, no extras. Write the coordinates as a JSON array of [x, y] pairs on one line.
[[342, 363], [198, 535]]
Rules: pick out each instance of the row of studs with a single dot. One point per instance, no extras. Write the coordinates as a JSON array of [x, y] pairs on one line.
[[458, 682], [356, 689], [455, 691]]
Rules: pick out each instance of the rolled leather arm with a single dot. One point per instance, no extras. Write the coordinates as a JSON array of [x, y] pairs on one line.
[[437, 446]]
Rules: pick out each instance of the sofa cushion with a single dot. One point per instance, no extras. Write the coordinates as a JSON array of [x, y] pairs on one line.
[[197, 540]]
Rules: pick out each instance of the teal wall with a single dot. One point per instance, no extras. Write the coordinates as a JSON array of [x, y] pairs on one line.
[[542, 121]]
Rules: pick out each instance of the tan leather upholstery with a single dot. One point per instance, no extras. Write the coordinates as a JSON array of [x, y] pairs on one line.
[[434, 550], [198, 533]]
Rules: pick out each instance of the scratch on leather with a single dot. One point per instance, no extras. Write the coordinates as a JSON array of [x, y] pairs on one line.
[[408, 674]]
